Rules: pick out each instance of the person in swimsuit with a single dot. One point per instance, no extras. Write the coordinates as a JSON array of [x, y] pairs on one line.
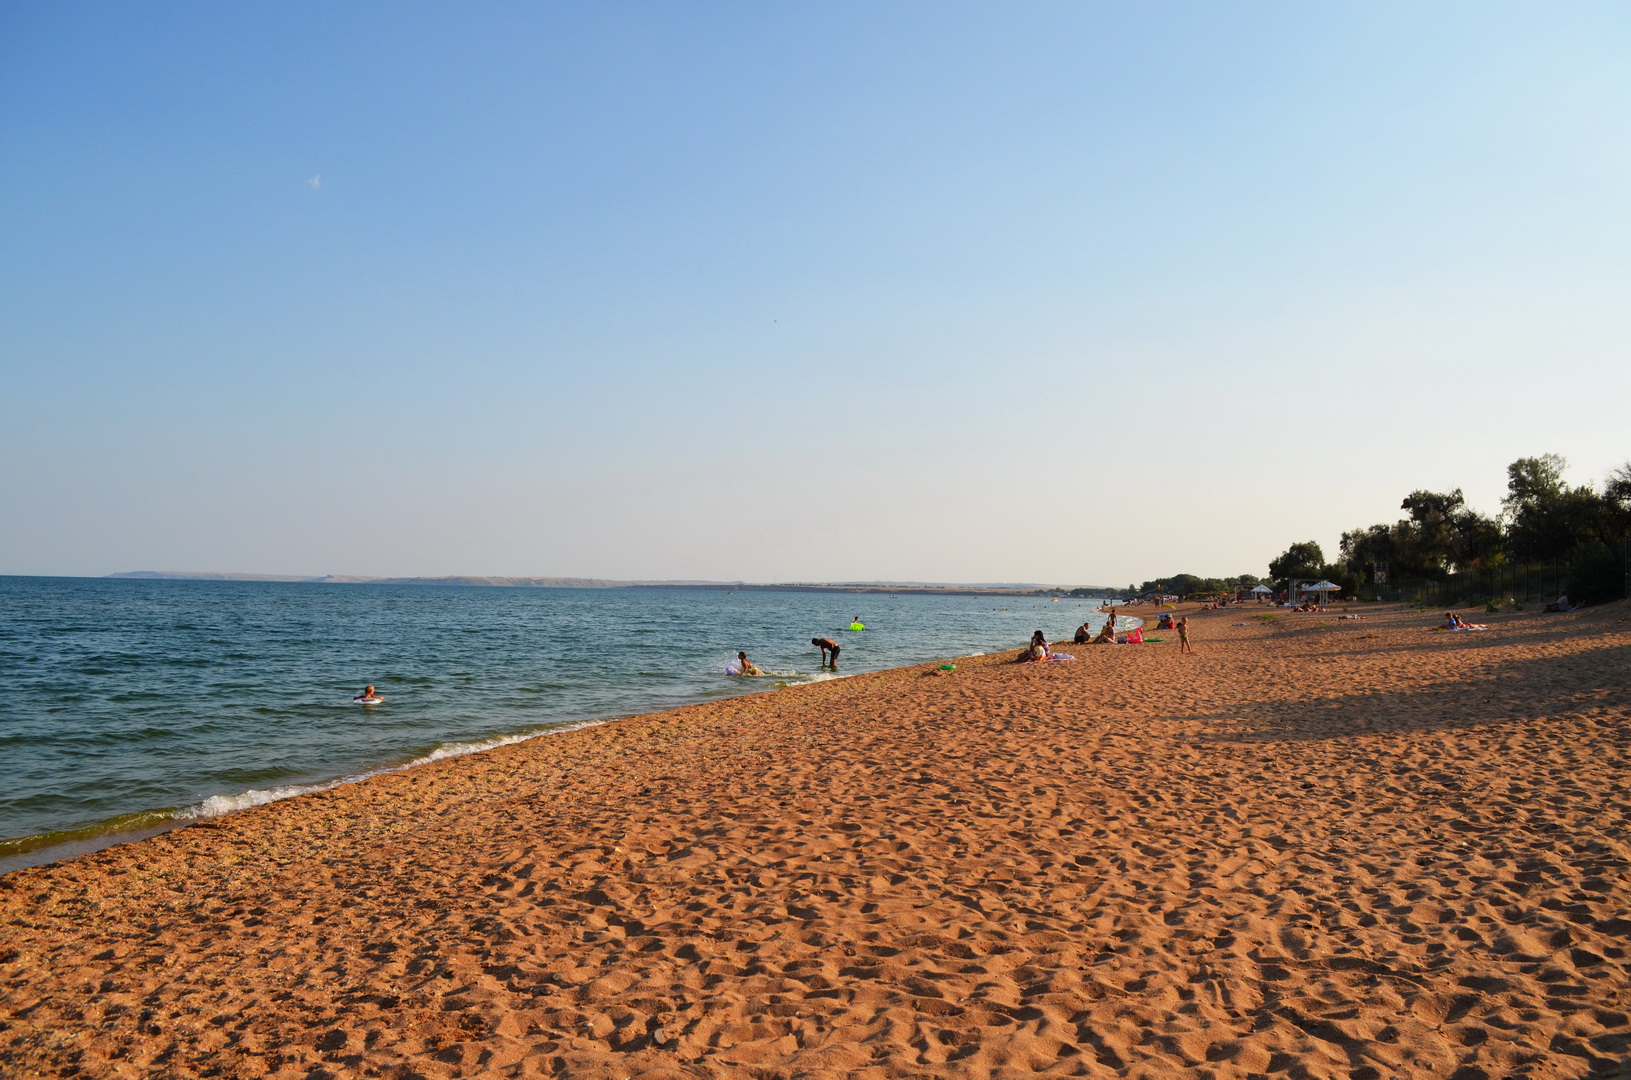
[[747, 665], [1083, 635], [1036, 651], [826, 645], [1183, 636]]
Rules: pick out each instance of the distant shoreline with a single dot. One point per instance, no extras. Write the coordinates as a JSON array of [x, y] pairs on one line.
[[865, 588]]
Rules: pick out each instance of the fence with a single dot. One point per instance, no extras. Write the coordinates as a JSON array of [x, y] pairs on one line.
[[1524, 584]]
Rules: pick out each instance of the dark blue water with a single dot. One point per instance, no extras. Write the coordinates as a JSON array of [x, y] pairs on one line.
[[125, 704]]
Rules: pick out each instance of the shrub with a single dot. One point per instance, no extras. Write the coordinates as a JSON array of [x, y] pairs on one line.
[[1596, 575]]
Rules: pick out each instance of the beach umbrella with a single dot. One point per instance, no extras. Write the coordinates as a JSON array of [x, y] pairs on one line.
[[1324, 588]]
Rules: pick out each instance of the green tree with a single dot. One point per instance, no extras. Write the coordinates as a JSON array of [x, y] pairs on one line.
[[1298, 561], [1548, 519], [1441, 534]]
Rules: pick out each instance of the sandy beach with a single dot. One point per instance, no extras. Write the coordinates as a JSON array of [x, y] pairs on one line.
[[1319, 848]]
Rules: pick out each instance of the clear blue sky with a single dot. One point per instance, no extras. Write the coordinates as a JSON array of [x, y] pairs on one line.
[[1067, 293]]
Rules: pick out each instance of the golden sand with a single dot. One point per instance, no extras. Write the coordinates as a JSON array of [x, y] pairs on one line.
[[1319, 848]]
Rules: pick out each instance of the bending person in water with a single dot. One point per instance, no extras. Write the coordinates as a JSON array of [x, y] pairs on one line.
[[826, 645], [747, 665]]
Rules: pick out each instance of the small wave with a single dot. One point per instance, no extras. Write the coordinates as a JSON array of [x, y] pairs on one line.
[[216, 805]]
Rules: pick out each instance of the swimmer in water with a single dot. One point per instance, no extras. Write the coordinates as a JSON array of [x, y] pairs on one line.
[[367, 692], [747, 665], [826, 645]]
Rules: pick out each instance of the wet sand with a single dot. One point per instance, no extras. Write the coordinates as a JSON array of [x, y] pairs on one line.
[[1353, 849]]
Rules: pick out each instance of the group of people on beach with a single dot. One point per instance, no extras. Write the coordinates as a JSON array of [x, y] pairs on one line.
[[829, 652], [1039, 649]]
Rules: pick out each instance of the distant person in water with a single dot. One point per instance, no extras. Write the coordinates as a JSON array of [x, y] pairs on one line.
[[747, 665], [857, 624], [827, 645]]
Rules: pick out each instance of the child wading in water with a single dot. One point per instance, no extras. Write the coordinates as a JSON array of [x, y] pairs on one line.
[[1183, 636]]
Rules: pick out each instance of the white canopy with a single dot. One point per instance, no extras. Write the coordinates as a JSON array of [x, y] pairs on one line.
[[1323, 586], [1261, 589]]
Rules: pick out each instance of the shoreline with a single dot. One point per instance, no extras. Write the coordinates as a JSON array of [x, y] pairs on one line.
[[40, 849], [23, 852], [1346, 845]]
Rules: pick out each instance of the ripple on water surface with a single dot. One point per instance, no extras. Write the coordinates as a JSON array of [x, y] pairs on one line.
[[135, 702]]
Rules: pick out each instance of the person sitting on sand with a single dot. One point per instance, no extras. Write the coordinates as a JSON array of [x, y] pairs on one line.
[[826, 645], [747, 665], [1083, 635], [1560, 604], [1036, 651], [1107, 632]]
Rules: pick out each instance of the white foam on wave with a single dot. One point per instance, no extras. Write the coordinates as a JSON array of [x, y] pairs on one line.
[[216, 805]]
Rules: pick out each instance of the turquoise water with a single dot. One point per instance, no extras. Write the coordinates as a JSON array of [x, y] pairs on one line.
[[126, 705]]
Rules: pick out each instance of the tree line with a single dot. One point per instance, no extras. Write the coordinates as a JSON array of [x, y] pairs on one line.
[[1542, 519]]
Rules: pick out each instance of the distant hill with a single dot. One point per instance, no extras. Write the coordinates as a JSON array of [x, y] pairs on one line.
[[920, 587], [342, 579], [172, 575]]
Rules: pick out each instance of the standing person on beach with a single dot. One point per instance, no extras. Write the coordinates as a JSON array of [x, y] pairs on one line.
[[1183, 637], [826, 645]]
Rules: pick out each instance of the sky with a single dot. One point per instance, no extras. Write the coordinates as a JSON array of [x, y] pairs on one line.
[[1060, 293]]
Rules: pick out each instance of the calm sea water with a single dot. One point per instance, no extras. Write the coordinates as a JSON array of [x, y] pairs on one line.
[[125, 705]]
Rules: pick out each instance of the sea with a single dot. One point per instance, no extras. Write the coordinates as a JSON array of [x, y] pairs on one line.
[[130, 706]]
